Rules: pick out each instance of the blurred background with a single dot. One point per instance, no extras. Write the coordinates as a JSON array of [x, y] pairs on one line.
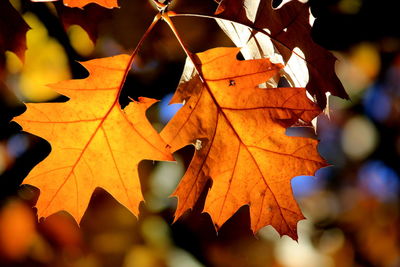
[[352, 207]]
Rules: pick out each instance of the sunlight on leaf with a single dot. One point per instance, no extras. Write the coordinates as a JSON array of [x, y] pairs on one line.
[[241, 129], [264, 31], [94, 142]]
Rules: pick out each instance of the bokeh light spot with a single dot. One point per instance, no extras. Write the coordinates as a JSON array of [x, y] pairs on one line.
[[181, 258], [17, 145], [358, 69], [366, 57], [45, 63], [377, 103], [13, 63], [80, 40], [163, 181], [379, 180], [17, 230], [2, 159], [359, 138]]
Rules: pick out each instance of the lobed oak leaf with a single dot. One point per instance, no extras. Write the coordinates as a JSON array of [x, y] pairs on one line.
[[238, 130], [282, 32], [94, 142]]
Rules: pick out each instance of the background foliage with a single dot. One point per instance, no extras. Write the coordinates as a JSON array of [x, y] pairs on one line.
[[352, 208]]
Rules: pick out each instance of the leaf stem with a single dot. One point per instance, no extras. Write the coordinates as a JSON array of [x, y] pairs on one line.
[[136, 50], [161, 6], [167, 18]]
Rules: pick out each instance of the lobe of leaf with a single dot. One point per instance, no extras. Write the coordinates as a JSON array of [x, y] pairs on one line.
[[244, 149], [94, 142], [288, 27]]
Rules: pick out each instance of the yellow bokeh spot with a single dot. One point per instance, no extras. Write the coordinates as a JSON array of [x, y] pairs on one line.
[[366, 57], [358, 69], [45, 63], [80, 40], [13, 63], [350, 6]]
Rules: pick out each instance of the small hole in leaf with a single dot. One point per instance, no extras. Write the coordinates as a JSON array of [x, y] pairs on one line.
[[198, 144]]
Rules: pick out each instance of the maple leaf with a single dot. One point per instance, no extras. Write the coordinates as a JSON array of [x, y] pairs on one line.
[[289, 30], [12, 38], [94, 142], [239, 133]]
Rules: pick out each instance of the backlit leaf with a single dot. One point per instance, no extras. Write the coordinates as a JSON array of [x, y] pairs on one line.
[[238, 130], [94, 142], [282, 34]]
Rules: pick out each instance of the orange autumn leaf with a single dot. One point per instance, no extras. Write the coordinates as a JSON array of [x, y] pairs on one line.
[[238, 130], [94, 142]]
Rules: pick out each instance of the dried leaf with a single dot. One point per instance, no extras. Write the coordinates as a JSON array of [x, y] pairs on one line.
[[238, 130], [94, 142], [283, 34]]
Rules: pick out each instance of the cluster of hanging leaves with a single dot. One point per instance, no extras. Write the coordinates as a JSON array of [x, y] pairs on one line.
[[234, 114]]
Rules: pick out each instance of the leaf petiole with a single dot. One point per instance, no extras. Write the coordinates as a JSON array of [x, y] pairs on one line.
[[136, 50]]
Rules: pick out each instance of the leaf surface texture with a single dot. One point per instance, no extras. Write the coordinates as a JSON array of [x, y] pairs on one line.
[[94, 142], [239, 133], [282, 34]]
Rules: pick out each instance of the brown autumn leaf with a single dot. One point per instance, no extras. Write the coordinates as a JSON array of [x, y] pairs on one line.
[[288, 28], [13, 30], [238, 130], [94, 142]]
